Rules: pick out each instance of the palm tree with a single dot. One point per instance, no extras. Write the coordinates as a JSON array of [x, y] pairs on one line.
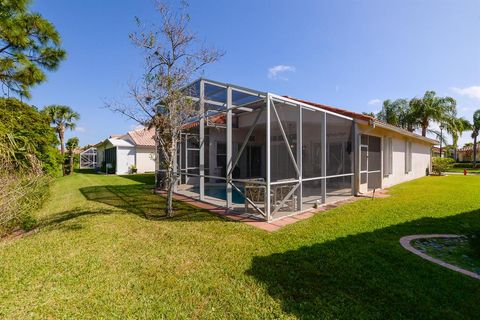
[[476, 129], [390, 113], [455, 127], [72, 144], [62, 117], [398, 113], [432, 108]]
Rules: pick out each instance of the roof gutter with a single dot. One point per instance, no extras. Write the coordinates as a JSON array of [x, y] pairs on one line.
[[404, 132]]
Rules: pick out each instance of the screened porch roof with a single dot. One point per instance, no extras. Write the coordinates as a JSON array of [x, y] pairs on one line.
[[245, 99]]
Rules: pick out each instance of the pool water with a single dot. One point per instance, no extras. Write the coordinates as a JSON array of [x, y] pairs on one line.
[[220, 192]]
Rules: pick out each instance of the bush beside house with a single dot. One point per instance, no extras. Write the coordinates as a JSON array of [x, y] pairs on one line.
[[441, 165]]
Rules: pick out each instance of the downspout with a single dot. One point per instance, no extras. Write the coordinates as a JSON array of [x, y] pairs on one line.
[[356, 158]]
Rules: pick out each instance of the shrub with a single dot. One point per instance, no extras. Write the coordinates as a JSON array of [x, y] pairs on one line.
[[440, 165], [463, 165], [23, 181], [22, 191], [31, 133]]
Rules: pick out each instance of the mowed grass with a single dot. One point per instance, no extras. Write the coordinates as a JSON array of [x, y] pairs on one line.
[[104, 250]]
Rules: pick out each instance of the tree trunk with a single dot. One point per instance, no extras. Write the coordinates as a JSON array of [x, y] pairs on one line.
[[61, 136], [170, 183], [424, 130], [71, 165], [475, 152]]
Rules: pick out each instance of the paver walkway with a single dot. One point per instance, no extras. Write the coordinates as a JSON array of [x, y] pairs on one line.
[[272, 225]]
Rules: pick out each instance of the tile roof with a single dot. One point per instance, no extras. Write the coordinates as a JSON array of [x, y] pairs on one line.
[[343, 112], [215, 119], [469, 148], [143, 137]]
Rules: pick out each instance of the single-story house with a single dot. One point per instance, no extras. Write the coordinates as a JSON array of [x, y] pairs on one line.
[[273, 156], [120, 154], [436, 152], [465, 154]]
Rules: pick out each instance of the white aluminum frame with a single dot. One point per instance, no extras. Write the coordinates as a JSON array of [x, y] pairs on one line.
[[270, 108], [88, 159]]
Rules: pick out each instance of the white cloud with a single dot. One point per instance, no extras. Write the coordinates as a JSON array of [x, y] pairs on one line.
[[471, 92], [80, 129], [276, 72], [375, 102]]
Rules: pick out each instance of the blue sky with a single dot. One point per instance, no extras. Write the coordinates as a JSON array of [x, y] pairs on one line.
[[350, 54]]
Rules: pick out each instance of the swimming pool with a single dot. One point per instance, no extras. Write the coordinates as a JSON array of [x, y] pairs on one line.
[[220, 192]]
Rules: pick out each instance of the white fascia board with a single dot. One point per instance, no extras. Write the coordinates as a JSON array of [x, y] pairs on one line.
[[120, 143], [404, 132]]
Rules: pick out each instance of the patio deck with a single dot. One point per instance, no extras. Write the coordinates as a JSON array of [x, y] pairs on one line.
[[217, 206]]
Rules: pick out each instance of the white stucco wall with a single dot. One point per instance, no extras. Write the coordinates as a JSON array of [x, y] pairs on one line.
[[421, 159], [125, 159], [145, 159], [421, 155]]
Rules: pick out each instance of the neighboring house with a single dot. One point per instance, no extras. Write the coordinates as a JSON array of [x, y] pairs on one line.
[[122, 152], [436, 152], [465, 154], [273, 156], [88, 158]]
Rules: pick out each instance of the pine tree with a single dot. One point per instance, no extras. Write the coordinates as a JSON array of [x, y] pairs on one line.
[[29, 46]]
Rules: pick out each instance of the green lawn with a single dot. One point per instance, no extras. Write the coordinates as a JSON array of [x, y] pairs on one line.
[[104, 251]]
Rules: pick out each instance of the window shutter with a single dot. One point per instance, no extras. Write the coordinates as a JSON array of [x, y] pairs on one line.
[[408, 156], [390, 156], [387, 157]]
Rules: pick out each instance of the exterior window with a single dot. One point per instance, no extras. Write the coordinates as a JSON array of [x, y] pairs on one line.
[[387, 157], [408, 156]]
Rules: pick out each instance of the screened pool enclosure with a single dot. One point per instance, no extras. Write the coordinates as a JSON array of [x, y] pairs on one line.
[[263, 154], [88, 158]]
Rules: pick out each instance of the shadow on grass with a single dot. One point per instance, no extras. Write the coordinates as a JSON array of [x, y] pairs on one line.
[[65, 216], [140, 200], [145, 178], [85, 171], [371, 276]]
